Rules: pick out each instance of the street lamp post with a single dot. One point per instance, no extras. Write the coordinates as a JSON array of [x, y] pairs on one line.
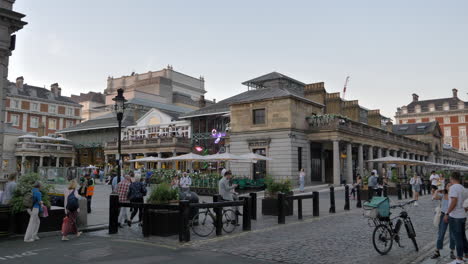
[[119, 108]]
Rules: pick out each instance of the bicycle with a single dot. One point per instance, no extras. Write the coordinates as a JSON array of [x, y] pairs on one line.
[[387, 230], [203, 223]]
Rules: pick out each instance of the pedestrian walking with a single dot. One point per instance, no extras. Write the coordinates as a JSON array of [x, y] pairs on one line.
[[136, 193], [355, 186], [372, 184], [442, 195], [301, 180], [434, 181], [122, 191], [149, 174], [34, 221], [72, 208], [185, 182], [10, 188], [89, 190], [101, 175], [456, 217], [415, 183]]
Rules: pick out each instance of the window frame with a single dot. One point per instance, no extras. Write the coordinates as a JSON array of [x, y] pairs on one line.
[[48, 124], [52, 112], [70, 111], [17, 119], [32, 109], [31, 122], [254, 116]]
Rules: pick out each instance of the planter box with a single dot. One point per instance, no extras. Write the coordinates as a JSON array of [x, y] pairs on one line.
[[164, 222], [270, 207], [51, 223], [6, 220]]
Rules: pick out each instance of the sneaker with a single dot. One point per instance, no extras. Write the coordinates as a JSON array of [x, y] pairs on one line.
[[457, 261], [79, 234], [64, 238], [29, 240], [436, 255], [36, 238], [415, 203], [452, 255]]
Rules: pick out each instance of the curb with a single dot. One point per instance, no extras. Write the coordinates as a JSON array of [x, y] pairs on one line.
[[86, 229]]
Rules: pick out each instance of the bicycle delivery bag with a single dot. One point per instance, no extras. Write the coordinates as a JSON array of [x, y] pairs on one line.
[[377, 207]]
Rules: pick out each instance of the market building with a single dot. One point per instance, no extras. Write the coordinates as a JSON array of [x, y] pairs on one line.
[[450, 112], [301, 125]]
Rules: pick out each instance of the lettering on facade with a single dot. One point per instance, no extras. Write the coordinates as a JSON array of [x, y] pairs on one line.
[[259, 143]]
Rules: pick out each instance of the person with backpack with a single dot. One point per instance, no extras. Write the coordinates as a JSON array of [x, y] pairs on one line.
[[33, 203], [136, 193], [72, 208]]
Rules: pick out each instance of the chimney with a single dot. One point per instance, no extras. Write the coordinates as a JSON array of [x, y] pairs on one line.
[[55, 89], [201, 101], [455, 93], [214, 101], [389, 126], [19, 82], [415, 97]]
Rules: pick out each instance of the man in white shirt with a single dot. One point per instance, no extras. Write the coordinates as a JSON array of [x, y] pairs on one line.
[[223, 172], [434, 181], [456, 217], [185, 182]]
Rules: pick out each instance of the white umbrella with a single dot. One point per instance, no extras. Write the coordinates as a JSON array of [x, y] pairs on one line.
[[254, 156], [224, 157], [399, 161], [188, 157], [91, 167], [147, 159]]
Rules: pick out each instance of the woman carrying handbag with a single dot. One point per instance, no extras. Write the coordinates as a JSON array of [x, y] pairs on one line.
[[71, 204], [442, 195]]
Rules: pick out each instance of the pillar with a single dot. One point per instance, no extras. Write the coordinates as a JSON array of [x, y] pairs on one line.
[[132, 164], [379, 166], [23, 165], [361, 160], [159, 162], [57, 162], [371, 157], [73, 162], [174, 163], [336, 162], [41, 161]]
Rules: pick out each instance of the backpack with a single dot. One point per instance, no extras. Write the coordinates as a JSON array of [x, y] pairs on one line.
[[72, 202], [135, 191], [28, 200]]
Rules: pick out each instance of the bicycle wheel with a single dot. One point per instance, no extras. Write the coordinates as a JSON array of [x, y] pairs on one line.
[[203, 224], [382, 239], [411, 233], [229, 221]]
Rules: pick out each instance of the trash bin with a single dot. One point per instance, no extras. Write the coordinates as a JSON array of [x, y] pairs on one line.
[[5, 220], [82, 220]]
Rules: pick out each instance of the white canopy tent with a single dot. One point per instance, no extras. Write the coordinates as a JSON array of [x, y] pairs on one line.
[[147, 159]]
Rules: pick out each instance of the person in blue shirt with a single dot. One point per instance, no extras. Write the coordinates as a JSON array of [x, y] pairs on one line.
[[149, 174], [34, 222]]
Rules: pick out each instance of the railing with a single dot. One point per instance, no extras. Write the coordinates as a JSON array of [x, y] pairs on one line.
[[154, 141], [25, 146]]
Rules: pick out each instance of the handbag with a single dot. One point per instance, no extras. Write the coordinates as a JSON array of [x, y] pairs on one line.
[[438, 212], [45, 212]]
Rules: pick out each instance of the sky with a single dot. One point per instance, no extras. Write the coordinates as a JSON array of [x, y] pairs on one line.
[[390, 49]]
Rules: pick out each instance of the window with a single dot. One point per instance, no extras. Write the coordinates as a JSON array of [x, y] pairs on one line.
[[463, 145], [431, 107], [34, 122], [259, 116], [69, 123], [259, 168], [299, 158], [418, 120], [462, 131], [461, 119], [15, 104], [417, 109], [70, 111], [446, 120], [446, 106], [432, 119], [53, 124], [34, 107], [15, 120], [52, 109], [447, 132], [405, 121], [405, 110]]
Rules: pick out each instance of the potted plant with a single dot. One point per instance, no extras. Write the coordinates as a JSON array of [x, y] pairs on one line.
[[21, 217], [164, 222], [270, 202]]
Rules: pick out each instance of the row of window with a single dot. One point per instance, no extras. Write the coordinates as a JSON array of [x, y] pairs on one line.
[[461, 119], [461, 131], [16, 104], [432, 108], [34, 122]]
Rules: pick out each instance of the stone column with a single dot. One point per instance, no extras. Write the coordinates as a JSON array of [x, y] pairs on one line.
[[336, 162], [41, 161], [379, 166], [23, 165], [371, 157], [132, 164], [349, 163], [57, 162], [361, 160], [73, 163], [25, 122], [174, 163], [159, 162]]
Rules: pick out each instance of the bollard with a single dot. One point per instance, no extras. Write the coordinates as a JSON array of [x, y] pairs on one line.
[[113, 214], [332, 200], [385, 191], [420, 192], [184, 212], [146, 222], [406, 191], [253, 207], [216, 198], [399, 191], [299, 209], [410, 191], [219, 220], [246, 214], [315, 204], [370, 193], [358, 196], [346, 206], [281, 213]]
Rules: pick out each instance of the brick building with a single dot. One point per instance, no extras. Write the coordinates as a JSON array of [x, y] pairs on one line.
[[451, 113], [39, 111]]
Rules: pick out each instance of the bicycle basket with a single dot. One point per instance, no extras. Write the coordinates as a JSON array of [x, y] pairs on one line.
[[377, 207]]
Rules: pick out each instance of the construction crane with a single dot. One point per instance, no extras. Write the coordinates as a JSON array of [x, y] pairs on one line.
[[345, 85]]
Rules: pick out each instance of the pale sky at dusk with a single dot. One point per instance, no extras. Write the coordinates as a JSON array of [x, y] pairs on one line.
[[389, 48]]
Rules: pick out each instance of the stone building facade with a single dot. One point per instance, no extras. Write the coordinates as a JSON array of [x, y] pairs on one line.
[[39, 111], [451, 113]]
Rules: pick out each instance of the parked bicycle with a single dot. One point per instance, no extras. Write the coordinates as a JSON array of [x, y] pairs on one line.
[[203, 223], [387, 229]]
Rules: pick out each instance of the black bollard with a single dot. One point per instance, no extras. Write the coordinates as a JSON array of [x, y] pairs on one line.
[[216, 198], [370, 193], [219, 220], [385, 191], [406, 191], [113, 214], [332, 200], [184, 213], [410, 191], [246, 214], [253, 207], [315, 204], [346, 206], [146, 223], [281, 214], [299, 209], [420, 191], [358, 196], [399, 191]]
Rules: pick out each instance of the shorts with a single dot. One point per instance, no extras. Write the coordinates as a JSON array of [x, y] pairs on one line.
[[434, 187], [416, 188]]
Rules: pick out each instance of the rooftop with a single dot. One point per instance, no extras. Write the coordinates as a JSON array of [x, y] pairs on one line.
[[35, 92], [415, 128]]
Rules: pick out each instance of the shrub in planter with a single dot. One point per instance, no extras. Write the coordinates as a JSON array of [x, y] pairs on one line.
[[163, 193], [25, 185], [163, 222], [270, 202]]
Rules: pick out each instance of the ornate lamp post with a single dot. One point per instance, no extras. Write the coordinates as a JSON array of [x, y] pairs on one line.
[[119, 108]]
